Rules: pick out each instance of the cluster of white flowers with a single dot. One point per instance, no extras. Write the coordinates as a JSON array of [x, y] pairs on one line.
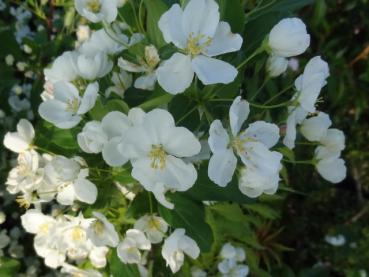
[[159, 154], [232, 261]]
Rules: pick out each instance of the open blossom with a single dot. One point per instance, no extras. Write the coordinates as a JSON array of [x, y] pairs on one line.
[[97, 10], [252, 145], [21, 140], [176, 246], [66, 109], [289, 38], [121, 82], [230, 268], [153, 226], [101, 232], [94, 66], [197, 31], [156, 148], [308, 86], [228, 251], [69, 181], [147, 66], [129, 249]]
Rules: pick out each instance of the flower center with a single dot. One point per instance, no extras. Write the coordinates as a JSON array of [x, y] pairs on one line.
[[157, 156], [73, 105], [93, 6], [23, 202], [78, 234], [238, 143], [98, 227], [195, 45], [154, 224], [44, 228]]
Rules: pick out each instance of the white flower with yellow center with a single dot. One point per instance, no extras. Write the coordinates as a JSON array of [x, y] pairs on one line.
[[21, 140], [129, 249], [156, 148], [174, 248], [200, 35], [101, 232], [97, 10], [153, 226], [66, 109], [147, 66], [251, 145]]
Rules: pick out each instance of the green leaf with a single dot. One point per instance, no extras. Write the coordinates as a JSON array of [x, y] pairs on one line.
[[117, 105], [8, 267], [189, 215], [117, 268], [155, 8], [232, 11]]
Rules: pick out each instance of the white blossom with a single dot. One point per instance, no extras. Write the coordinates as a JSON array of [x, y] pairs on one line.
[[197, 31], [101, 232], [176, 246], [289, 38], [21, 140], [276, 65], [129, 249], [66, 109], [97, 10], [153, 226]]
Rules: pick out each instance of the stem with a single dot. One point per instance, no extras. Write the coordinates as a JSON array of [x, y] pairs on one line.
[[311, 162], [187, 114], [278, 94], [140, 16], [43, 150], [260, 89], [150, 202], [257, 52], [107, 28], [135, 15], [270, 106]]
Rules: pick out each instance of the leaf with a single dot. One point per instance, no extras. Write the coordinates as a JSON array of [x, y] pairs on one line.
[[8, 267], [155, 102], [117, 268], [189, 215], [263, 210], [232, 11], [206, 190], [155, 8], [117, 105]]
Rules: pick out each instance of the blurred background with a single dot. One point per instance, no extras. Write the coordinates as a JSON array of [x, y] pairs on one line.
[[311, 227]]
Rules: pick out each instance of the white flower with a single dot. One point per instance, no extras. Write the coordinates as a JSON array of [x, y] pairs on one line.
[[21, 140], [129, 249], [92, 138], [101, 232], [252, 145], [100, 41], [9, 60], [146, 66], [97, 10], [35, 222], [338, 240], [153, 226], [315, 128], [197, 272], [228, 251], [94, 66], [156, 148], [329, 164], [276, 65], [197, 31], [229, 268], [67, 107], [69, 181], [122, 81], [83, 33], [310, 83], [63, 69], [27, 175], [174, 248], [289, 38], [2, 217]]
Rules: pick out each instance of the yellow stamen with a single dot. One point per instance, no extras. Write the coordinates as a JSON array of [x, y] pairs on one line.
[[157, 156], [93, 6], [23, 202], [196, 45], [78, 234], [99, 226], [73, 105]]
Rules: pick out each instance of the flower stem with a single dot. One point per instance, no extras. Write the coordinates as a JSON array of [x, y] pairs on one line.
[[249, 58], [311, 162], [270, 106]]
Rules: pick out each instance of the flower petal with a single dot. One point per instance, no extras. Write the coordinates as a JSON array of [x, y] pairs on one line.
[[180, 142], [112, 153], [213, 71], [264, 132], [89, 98], [175, 75], [218, 137], [115, 124], [238, 113], [333, 169], [146, 82], [170, 24], [315, 128], [85, 191], [221, 167], [224, 41]]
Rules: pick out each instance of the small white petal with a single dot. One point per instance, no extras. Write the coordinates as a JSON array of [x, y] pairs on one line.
[[332, 169], [218, 137], [212, 71], [264, 132], [315, 128], [238, 113], [89, 98], [221, 167], [85, 191]]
